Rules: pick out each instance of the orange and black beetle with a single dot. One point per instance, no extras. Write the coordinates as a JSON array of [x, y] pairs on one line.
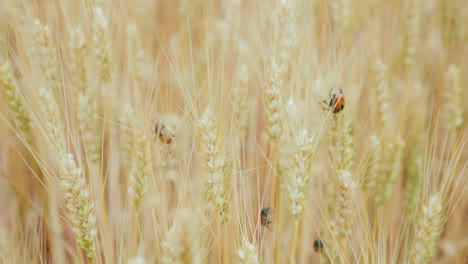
[[163, 133], [264, 216], [337, 101], [318, 245]]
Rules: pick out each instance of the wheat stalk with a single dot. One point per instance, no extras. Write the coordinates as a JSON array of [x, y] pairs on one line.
[[277, 70]]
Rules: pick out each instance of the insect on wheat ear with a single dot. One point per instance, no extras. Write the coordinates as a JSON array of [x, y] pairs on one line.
[[337, 101], [318, 246], [265, 215], [164, 133]]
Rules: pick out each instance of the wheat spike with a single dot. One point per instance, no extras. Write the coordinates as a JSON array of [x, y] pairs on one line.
[[217, 164], [14, 101], [80, 207]]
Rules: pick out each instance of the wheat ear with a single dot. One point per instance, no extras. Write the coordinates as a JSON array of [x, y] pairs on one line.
[[14, 101], [428, 229], [182, 243], [453, 107], [47, 56], [247, 252], [217, 164], [80, 207], [102, 44]]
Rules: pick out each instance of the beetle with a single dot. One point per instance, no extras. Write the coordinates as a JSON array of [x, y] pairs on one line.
[[337, 101], [163, 133], [264, 216], [318, 245]]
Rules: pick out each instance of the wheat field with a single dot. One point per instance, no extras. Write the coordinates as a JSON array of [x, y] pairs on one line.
[[233, 131]]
